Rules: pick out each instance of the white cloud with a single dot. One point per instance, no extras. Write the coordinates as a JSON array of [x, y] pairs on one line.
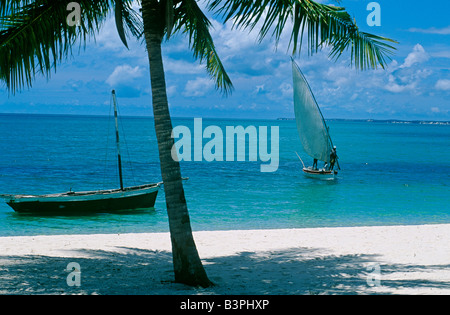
[[286, 90], [443, 85], [432, 30], [396, 88], [230, 41], [182, 67], [198, 87], [435, 110], [341, 75], [124, 74], [259, 89], [171, 90], [410, 75], [108, 37], [418, 55], [441, 54], [407, 82]]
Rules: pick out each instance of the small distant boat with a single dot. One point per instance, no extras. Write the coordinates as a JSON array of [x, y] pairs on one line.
[[319, 173], [311, 126], [124, 198]]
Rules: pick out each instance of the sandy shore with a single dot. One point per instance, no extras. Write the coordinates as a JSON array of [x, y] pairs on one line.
[[357, 260]]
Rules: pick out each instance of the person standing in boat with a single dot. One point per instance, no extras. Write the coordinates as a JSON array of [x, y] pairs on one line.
[[314, 164], [333, 158]]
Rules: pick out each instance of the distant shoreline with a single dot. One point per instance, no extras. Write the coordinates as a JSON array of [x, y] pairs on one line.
[[390, 121]]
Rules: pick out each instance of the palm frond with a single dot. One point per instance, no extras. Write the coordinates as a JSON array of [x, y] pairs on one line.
[[119, 11], [190, 20], [127, 20], [324, 25], [34, 36], [8, 7]]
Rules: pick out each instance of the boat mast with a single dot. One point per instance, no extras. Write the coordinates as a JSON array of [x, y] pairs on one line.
[[119, 159]]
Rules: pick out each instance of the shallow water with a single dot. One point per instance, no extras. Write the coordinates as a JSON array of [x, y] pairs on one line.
[[391, 174]]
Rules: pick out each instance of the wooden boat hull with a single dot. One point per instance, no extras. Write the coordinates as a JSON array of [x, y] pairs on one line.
[[137, 197], [320, 174]]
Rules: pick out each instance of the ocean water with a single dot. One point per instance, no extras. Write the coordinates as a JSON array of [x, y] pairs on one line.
[[392, 173]]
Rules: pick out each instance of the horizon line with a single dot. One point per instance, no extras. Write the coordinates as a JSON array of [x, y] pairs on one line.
[[230, 118]]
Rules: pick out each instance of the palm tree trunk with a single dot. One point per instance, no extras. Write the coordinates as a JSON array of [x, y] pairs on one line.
[[187, 264]]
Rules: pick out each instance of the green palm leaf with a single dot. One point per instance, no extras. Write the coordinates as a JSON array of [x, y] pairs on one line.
[[189, 19], [127, 20], [324, 25], [119, 11], [34, 37]]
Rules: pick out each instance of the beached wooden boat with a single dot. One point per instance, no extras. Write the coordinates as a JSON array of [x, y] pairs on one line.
[[124, 198], [312, 128], [129, 198]]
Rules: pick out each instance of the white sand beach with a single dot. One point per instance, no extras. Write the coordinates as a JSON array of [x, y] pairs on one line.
[[354, 260]]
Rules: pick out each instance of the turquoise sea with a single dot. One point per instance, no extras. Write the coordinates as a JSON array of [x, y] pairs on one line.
[[392, 173]]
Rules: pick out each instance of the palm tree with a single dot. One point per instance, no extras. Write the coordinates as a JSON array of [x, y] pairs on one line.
[[160, 17], [34, 38]]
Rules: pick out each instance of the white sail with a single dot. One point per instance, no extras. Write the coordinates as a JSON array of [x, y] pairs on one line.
[[310, 123]]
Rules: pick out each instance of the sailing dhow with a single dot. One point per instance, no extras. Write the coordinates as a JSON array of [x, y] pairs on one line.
[[312, 128], [123, 198]]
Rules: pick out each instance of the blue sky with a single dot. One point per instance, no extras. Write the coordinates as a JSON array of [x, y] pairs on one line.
[[415, 86]]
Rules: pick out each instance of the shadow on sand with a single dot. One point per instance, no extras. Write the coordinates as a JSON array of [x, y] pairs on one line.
[[137, 271]]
